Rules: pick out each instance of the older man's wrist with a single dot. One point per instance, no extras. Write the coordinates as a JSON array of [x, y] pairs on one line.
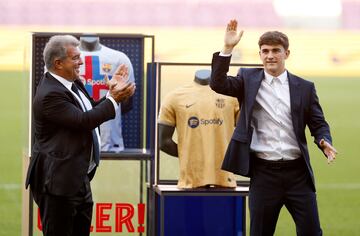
[[116, 104]]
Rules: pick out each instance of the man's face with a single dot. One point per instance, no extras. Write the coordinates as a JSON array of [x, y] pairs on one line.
[[70, 66], [273, 58]]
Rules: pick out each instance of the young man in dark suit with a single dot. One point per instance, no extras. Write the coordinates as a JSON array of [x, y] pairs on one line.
[[66, 151], [269, 144]]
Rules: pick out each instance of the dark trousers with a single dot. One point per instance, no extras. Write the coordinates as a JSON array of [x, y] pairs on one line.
[[275, 184], [66, 216]]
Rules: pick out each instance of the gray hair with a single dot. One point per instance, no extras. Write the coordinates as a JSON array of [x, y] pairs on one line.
[[56, 47]]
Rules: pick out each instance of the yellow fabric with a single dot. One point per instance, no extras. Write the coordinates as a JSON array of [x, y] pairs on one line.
[[204, 122]]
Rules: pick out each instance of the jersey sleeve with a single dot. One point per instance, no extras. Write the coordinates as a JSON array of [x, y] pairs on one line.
[[124, 59], [167, 114]]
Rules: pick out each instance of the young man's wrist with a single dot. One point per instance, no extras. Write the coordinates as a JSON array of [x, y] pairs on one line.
[[227, 50]]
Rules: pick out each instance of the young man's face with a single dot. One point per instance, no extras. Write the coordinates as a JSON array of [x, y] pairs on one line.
[[273, 58]]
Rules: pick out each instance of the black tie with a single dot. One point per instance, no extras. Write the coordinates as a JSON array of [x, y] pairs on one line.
[[96, 149]]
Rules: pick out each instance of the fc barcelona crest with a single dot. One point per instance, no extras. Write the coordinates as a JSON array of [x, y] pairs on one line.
[[220, 102], [106, 67]]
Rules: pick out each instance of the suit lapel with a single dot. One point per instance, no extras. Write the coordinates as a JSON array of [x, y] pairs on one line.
[[295, 99], [62, 87], [252, 90]]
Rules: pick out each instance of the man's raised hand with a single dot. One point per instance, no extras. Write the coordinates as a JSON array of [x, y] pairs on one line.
[[232, 37]]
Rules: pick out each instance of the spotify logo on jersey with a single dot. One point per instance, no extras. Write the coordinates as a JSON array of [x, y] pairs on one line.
[[194, 122]]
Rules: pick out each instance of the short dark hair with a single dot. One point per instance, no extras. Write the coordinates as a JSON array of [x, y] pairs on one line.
[[274, 38]]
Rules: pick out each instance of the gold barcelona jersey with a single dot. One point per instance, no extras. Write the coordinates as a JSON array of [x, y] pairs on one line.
[[204, 122]]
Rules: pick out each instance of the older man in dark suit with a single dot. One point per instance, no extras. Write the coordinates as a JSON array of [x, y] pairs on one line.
[[269, 143], [66, 143]]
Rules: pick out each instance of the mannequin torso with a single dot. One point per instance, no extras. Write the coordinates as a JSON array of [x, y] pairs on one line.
[[166, 142], [204, 122], [100, 60]]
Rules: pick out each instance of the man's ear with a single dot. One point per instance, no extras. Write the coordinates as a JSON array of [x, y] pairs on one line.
[[58, 64], [287, 53]]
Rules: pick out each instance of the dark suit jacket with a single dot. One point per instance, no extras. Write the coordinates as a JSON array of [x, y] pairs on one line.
[[62, 138], [305, 111]]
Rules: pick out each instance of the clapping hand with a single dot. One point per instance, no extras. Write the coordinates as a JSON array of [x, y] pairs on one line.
[[119, 79], [120, 87]]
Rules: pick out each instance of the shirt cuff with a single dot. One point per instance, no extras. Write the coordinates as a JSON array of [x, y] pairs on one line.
[[113, 102], [224, 55]]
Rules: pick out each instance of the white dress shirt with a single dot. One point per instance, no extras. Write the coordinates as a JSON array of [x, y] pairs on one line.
[[273, 137]]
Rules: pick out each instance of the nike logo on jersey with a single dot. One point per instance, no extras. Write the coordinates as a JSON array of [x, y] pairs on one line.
[[189, 105]]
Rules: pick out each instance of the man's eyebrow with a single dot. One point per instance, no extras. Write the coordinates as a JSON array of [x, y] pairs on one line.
[[272, 49]]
